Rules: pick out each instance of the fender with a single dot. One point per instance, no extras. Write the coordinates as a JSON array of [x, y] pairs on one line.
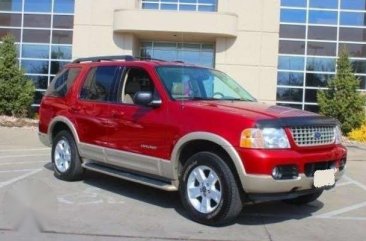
[[66, 121], [207, 136]]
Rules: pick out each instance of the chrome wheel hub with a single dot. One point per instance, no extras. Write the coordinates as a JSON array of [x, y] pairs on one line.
[[204, 189], [62, 155]]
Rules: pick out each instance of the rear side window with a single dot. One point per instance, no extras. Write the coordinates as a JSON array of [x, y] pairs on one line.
[[100, 84], [62, 82]]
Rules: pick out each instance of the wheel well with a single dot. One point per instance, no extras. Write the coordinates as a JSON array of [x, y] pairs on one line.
[[196, 146], [59, 126]]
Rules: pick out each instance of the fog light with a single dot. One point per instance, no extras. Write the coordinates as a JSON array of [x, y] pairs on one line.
[[276, 173]]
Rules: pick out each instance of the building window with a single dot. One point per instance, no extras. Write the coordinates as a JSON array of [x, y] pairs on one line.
[[43, 31], [312, 34], [181, 5], [195, 53]]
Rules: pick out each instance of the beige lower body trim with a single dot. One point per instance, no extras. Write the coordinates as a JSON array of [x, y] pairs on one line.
[[266, 184], [131, 161]]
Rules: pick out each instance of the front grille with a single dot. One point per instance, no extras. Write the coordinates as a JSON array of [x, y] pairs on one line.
[[311, 168], [313, 135]]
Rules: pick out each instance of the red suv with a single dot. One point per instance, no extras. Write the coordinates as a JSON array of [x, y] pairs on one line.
[[175, 126]]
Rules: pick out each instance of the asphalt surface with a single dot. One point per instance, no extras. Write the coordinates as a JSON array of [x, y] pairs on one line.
[[34, 205]]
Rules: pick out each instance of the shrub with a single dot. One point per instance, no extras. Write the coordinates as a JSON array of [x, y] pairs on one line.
[[342, 100], [16, 91], [358, 134]]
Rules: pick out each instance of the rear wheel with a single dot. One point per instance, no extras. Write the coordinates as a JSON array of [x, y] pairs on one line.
[[304, 199], [208, 190], [65, 157]]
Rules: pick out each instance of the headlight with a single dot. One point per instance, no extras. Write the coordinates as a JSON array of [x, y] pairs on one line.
[[266, 138], [338, 135]]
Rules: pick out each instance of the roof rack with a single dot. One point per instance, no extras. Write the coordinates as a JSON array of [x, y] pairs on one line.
[[104, 58]]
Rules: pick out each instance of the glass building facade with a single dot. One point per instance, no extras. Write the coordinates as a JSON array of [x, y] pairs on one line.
[[181, 5], [43, 30], [312, 33]]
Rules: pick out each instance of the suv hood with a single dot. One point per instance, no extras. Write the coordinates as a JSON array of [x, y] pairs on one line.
[[252, 110]]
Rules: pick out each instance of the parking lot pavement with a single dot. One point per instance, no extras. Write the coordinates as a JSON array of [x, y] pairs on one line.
[[106, 208]]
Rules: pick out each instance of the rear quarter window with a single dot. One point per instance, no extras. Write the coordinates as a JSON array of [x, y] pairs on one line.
[[62, 82]]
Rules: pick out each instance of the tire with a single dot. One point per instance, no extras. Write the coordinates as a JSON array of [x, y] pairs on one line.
[[65, 157], [198, 185], [304, 199]]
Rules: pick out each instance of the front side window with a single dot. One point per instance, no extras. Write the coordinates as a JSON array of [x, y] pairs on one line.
[[134, 81], [100, 84], [61, 84], [192, 83]]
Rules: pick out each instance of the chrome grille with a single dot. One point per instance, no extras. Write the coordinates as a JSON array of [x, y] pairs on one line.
[[313, 135]]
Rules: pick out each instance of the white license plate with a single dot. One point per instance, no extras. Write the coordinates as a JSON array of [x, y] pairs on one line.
[[324, 178]]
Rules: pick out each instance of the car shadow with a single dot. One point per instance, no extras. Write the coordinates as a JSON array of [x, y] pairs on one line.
[[253, 213]]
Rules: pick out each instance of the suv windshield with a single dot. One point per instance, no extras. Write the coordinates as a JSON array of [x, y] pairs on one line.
[[194, 83]]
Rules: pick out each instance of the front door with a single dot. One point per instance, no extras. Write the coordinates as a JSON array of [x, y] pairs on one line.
[[138, 134]]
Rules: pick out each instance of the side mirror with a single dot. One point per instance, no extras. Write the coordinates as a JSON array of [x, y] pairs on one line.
[[146, 98]]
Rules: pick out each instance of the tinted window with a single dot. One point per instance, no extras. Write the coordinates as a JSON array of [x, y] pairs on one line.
[[292, 47], [324, 3], [36, 36], [321, 64], [359, 66], [353, 4], [293, 3], [35, 51], [322, 33], [293, 16], [14, 32], [321, 48], [66, 22], [290, 78], [312, 108], [11, 5], [99, 84], [37, 21], [318, 80], [10, 19], [311, 96], [64, 6], [322, 17], [37, 5], [291, 63], [352, 34], [356, 19], [292, 31], [289, 94], [62, 82], [61, 37], [354, 50]]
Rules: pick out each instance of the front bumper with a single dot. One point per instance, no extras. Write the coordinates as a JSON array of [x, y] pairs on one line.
[[259, 164], [259, 184]]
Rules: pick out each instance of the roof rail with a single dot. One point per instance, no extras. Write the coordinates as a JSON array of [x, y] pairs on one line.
[[149, 58], [104, 58]]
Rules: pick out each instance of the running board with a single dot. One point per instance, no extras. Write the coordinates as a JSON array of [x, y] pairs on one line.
[[129, 176]]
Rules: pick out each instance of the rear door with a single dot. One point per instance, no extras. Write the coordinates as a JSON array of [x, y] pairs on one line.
[[92, 110]]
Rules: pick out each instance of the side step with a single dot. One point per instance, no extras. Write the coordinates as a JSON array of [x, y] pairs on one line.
[[129, 176]]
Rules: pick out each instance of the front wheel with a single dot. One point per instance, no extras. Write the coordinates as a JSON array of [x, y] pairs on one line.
[[208, 190], [65, 157], [304, 199]]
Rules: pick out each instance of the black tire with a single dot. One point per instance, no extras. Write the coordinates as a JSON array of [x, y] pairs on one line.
[[75, 170], [304, 199], [230, 205]]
